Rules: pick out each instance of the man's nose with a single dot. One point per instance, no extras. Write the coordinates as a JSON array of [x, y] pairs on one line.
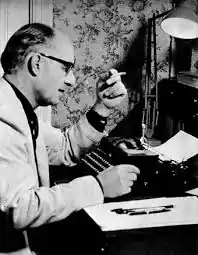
[[70, 79]]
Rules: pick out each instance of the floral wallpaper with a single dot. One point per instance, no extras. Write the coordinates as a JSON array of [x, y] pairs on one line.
[[108, 34]]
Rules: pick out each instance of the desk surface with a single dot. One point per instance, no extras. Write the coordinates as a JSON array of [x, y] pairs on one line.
[[184, 212], [79, 234], [172, 233]]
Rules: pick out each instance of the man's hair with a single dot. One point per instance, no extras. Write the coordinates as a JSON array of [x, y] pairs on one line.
[[22, 42]]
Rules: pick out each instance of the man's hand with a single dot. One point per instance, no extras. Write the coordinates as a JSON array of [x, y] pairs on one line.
[[110, 93], [117, 180]]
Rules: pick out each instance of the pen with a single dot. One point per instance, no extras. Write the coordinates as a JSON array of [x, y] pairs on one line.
[[143, 210], [150, 212]]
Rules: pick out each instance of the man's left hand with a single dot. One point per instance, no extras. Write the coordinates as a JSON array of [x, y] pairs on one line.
[[109, 93]]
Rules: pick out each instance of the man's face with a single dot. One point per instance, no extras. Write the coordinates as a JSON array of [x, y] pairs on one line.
[[57, 73]]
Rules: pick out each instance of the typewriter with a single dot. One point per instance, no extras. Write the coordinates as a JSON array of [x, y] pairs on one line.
[[157, 178]]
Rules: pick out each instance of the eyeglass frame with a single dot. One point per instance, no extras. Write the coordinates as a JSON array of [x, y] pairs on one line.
[[68, 65]]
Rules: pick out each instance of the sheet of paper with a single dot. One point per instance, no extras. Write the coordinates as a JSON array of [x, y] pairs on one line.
[[180, 147], [185, 212], [193, 192]]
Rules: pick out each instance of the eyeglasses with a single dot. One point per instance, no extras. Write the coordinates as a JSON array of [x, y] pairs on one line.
[[68, 66]]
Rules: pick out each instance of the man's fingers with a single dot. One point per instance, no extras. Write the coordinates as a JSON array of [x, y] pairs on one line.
[[118, 180], [129, 169], [113, 79], [126, 190], [131, 176], [113, 95], [128, 183], [112, 71], [116, 90]]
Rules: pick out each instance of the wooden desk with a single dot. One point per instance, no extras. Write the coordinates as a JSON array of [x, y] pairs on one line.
[[171, 232], [180, 240], [79, 235]]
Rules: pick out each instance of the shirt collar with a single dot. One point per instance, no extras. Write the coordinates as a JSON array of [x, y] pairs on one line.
[[29, 111]]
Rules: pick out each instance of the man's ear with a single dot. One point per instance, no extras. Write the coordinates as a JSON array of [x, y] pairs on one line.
[[34, 64]]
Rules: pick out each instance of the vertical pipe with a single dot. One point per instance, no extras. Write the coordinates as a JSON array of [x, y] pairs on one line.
[[170, 57], [155, 60], [156, 103], [148, 72]]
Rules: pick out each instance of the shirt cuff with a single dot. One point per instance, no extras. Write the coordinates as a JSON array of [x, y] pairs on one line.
[[96, 120], [100, 184]]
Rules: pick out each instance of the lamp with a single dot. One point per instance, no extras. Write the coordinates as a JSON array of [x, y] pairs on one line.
[[182, 21]]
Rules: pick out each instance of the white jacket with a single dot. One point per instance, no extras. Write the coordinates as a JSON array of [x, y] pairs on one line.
[[21, 198]]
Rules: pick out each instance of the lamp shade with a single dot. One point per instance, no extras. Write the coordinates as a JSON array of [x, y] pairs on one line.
[[181, 22]]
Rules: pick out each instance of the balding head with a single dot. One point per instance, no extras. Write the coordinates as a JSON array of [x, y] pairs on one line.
[[38, 60], [30, 38], [61, 47]]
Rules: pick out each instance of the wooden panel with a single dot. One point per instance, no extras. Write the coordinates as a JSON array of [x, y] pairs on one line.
[[41, 11], [12, 15]]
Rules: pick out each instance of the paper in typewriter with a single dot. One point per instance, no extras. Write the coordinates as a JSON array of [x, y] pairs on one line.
[[179, 148]]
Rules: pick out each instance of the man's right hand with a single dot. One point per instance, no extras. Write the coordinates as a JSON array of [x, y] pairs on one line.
[[117, 180]]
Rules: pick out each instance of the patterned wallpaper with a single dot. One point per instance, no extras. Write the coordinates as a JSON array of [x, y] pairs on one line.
[[107, 34]]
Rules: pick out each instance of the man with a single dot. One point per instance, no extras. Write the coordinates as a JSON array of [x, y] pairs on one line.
[[37, 63]]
